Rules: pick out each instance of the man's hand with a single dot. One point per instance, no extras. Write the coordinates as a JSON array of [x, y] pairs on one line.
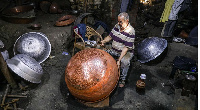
[[124, 51], [107, 39], [118, 64], [102, 43]]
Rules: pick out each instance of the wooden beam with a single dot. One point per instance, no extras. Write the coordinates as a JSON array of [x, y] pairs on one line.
[[6, 73]]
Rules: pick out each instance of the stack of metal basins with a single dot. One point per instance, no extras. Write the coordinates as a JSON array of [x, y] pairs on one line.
[[30, 50]]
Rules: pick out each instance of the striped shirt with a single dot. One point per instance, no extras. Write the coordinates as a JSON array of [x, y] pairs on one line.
[[123, 39]]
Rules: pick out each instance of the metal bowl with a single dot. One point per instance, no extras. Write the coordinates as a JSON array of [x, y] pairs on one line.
[[150, 48], [26, 67], [34, 44]]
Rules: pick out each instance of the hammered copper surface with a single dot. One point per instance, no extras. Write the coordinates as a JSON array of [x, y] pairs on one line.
[[91, 75]]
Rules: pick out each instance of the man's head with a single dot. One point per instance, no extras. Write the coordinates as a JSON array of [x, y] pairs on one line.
[[123, 20]]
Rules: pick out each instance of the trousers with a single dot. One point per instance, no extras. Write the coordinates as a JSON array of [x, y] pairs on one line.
[[125, 62]]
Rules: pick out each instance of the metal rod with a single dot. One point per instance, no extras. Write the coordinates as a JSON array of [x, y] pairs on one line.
[[17, 96]]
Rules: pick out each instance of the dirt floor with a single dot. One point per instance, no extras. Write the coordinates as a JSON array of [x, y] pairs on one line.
[[52, 92]]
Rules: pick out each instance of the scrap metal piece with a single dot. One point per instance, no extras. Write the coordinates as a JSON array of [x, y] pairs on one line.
[[34, 44], [22, 87], [17, 96], [150, 48], [1, 44]]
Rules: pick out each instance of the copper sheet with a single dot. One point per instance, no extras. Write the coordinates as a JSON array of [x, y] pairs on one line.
[[65, 20]]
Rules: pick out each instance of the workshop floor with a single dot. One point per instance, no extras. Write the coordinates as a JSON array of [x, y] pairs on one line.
[[52, 92]]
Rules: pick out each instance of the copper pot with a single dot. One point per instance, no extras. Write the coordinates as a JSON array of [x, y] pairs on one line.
[[17, 10], [20, 14], [55, 8], [44, 6], [91, 75]]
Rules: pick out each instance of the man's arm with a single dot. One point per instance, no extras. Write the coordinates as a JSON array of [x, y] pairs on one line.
[[124, 51], [107, 39]]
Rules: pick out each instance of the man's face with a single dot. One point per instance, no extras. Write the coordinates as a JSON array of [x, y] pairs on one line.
[[122, 23]]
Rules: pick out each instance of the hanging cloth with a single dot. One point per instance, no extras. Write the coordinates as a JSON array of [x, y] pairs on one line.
[[175, 9], [82, 31], [168, 28], [167, 10], [124, 5]]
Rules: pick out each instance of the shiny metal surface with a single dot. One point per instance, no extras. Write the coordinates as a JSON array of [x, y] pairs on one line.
[[34, 44], [150, 48], [26, 67], [190, 77], [91, 75], [1, 44]]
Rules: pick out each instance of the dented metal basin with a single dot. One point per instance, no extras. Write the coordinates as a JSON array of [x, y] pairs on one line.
[[26, 67], [150, 48], [91, 75]]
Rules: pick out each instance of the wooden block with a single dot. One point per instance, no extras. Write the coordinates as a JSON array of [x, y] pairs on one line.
[[103, 103]]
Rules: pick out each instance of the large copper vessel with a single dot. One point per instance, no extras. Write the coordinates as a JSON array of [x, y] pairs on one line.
[[91, 75], [20, 14]]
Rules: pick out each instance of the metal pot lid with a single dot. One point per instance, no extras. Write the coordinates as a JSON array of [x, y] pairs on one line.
[[26, 67], [34, 44], [150, 48]]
